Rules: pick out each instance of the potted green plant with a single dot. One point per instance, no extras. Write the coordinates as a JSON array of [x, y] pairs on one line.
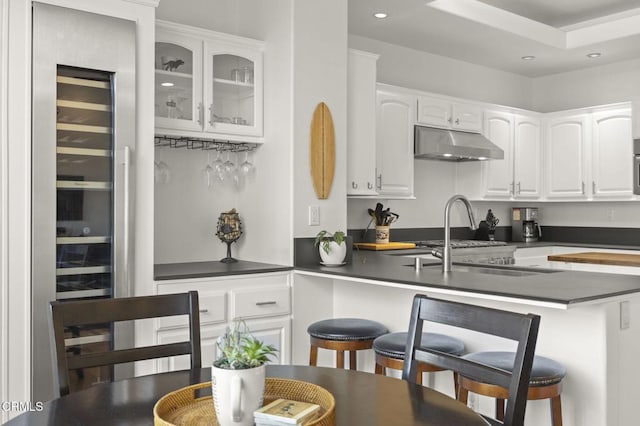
[[332, 247], [238, 375]]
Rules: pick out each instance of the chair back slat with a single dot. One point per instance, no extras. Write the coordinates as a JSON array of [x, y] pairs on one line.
[[520, 328], [76, 313]]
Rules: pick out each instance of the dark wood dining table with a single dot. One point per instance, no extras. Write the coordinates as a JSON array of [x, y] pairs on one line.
[[361, 399]]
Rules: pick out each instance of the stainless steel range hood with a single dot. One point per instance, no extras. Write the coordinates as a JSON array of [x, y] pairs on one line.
[[452, 145]]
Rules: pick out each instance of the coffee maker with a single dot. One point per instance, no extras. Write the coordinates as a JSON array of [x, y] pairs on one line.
[[524, 224]]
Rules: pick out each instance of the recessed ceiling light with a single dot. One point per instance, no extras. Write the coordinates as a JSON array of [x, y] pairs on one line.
[[166, 84], [594, 55], [380, 15], [528, 58], [482, 158], [447, 155]]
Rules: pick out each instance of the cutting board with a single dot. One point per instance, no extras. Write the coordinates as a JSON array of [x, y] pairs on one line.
[[385, 246], [322, 151], [620, 259]]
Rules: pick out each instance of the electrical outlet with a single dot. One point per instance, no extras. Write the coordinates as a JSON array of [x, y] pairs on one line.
[[625, 315], [314, 215]]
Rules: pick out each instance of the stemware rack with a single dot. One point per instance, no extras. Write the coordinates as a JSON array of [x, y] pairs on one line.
[[203, 144]]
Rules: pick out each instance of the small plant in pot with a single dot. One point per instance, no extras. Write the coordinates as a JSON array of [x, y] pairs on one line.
[[332, 247], [238, 375]]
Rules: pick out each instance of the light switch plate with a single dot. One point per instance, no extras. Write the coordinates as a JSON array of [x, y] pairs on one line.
[[314, 215]]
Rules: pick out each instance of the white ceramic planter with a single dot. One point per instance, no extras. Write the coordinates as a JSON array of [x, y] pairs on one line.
[[336, 254], [237, 394]]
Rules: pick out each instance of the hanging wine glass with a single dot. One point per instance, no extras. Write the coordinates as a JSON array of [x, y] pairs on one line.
[[208, 171], [218, 166], [247, 168]]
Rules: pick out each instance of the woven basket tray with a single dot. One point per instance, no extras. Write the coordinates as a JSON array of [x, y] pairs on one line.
[[182, 407]]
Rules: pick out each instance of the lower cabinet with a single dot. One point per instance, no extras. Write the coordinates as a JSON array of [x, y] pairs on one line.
[[263, 301]]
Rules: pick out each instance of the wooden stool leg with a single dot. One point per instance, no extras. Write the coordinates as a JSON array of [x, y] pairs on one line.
[[339, 359], [352, 360], [313, 355], [500, 409], [379, 369], [463, 395], [556, 411], [456, 386]]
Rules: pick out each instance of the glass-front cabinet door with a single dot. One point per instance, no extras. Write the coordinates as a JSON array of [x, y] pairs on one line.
[[233, 89], [178, 81]]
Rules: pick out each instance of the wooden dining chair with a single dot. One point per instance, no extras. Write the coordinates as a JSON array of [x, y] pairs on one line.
[[79, 313], [510, 325]]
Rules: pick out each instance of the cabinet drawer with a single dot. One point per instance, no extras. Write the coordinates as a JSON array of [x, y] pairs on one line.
[[263, 302], [212, 311]]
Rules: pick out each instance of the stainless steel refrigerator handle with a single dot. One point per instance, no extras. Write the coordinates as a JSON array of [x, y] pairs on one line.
[[126, 161]]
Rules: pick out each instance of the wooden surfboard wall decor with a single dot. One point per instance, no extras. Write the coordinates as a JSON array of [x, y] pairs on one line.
[[322, 151]]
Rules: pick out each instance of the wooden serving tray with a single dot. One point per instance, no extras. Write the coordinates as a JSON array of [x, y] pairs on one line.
[[619, 259], [385, 246]]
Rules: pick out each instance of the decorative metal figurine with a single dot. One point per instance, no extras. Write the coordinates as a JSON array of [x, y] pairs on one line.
[[229, 230]]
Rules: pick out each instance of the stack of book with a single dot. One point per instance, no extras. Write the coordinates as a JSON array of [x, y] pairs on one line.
[[286, 412]]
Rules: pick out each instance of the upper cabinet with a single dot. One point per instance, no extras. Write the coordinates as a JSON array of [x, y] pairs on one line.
[[449, 115], [361, 127], [566, 161], [208, 84], [394, 148], [498, 174], [588, 154], [527, 157], [612, 150]]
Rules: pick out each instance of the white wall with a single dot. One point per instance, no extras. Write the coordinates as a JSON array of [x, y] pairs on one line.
[[419, 70], [320, 75], [617, 82], [264, 204]]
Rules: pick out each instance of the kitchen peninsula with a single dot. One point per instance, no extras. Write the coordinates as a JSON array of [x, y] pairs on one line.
[[581, 321]]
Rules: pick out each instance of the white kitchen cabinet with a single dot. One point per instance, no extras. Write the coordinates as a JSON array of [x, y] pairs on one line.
[[449, 115], [612, 150], [566, 156], [361, 127], [208, 84], [394, 143], [263, 301], [527, 157], [498, 174]]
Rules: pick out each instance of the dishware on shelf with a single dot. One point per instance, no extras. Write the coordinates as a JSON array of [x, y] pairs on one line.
[[247, 75], [237, 75]]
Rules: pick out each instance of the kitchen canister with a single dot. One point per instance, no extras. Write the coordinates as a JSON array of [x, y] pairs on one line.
[[382, 234]]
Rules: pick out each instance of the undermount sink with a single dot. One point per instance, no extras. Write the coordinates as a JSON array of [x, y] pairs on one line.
[[504, 270]]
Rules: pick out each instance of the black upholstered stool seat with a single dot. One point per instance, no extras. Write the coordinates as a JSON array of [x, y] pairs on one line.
[[346, 329], [343, 335], [545, 382], [390, 350], [393, 345], [545, 370]]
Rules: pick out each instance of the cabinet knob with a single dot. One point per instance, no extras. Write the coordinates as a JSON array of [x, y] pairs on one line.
[[518, 188], [593, 187], [270, 302], [449, 120], [354, 185], [583, 187], [457, 121], [369, 185], [380, 181]]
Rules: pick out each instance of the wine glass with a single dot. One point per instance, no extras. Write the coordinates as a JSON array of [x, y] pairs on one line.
[[247, 168], [162, 171], [229, 166], [218, 166], [208, 170]]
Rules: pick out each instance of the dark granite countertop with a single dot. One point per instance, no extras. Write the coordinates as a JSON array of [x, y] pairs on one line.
[[180, 271], [564, 288]]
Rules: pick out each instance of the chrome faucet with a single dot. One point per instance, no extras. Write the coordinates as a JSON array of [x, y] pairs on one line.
[[445, 255]]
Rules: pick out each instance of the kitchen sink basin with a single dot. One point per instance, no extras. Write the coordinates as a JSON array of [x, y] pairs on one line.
[[504, 270]]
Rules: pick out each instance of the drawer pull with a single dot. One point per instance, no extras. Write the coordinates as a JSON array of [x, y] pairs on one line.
[[271, 302], [204, 311]]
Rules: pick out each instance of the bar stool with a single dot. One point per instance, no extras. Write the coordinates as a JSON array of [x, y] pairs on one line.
[[343, 334], [389, 349], [545, 382]]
